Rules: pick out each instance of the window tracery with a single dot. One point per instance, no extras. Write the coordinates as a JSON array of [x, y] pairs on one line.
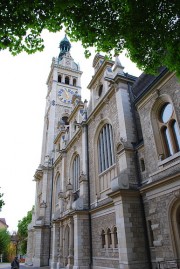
[[105, 148]]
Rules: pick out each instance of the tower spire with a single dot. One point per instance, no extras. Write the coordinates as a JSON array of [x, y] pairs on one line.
[[64, 46]]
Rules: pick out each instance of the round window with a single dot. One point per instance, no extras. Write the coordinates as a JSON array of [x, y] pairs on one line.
[[166, 112]]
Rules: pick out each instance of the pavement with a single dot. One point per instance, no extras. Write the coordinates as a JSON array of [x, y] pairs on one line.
[[22, 266]]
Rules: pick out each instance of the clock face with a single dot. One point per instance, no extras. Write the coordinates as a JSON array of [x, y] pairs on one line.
[[65, 95]]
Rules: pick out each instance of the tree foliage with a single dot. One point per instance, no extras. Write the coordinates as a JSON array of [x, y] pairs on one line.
[[148, 30], [1, 200], [4, 240], [23, 231]]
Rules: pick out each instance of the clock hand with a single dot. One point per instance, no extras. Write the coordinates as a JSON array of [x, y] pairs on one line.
[[66, 93]]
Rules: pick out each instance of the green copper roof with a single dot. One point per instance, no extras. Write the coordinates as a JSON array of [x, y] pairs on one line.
[[64, 46]]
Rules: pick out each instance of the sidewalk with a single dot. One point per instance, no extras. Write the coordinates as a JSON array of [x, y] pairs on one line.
[[22, 266], [33, 267], [4, 265]]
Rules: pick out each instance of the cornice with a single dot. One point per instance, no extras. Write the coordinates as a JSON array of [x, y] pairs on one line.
[[159, 183], [99, 71], [59, 135], [124, 193], [103, 101], [74, 138], [67, 68], [69, 145], [79, 105], [100, 207]]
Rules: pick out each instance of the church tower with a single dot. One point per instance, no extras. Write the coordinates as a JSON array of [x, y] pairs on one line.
[[63, 83]]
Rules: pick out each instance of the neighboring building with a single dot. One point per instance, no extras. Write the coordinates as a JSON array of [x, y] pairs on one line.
[[108, 186], [3, 223]]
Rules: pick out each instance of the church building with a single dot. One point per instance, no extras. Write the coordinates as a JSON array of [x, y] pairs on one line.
[[108, 185]]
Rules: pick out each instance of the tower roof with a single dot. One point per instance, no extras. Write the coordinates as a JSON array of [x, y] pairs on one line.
[[64, 46]]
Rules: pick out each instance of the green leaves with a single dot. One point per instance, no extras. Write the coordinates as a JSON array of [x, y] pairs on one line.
[[23, 231], [4, 240], [148, 30], [1, 200]]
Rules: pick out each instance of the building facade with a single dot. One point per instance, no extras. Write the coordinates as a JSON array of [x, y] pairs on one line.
[[108, 186]]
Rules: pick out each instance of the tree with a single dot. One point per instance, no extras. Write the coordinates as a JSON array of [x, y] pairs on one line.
[[4, 241], [148, 30], [23, 231], [1, 200]]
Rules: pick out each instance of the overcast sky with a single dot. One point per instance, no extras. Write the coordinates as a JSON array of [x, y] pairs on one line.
[[23, 91]]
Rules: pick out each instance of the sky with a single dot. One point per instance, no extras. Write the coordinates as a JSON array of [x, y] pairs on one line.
[[23, 91]]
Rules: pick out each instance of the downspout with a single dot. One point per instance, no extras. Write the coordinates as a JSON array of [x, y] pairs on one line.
[[50, 220], [139, 178], [89, 201]]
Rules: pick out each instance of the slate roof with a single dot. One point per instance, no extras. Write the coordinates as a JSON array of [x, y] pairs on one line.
[[145, 81]]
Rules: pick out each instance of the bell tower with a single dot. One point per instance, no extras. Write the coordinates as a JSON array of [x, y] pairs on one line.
[[64, 82]]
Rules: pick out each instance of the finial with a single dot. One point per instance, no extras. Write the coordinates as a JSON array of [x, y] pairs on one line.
[[118, 68]]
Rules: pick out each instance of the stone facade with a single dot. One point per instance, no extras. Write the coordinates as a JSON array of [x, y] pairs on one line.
[[108, 186]]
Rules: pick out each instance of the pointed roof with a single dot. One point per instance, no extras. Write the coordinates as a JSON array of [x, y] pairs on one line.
[[3, 223], [64, 46], [118, 68]]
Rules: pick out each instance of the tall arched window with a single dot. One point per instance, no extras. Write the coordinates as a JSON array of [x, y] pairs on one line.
[[74, 82], [76, 173], [109, 239], [59, 78], [169, 130], [115, 237], [57, 188], [103, 240], [67, 80], [105, 148]]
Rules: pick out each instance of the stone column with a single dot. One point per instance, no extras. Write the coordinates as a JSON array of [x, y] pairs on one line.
[[55, 246], [60, 256], [130, 231], [71, 245], [81, 237]]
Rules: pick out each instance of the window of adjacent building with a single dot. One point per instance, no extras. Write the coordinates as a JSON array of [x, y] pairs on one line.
[[59, 78], [76, 173], [105, 148], [169, 130], [74, 82], [67, 80]]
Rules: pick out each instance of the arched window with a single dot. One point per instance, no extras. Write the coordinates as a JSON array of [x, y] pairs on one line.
[[169, 130], [67, 80], [100, 90], [115, 237], [109, 240], [76, 173], [59, 78], [142, 165], [74, 82], [103, 241], [65, 120], [174, 219], [150, 232], [105, 148], [57, 188]]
